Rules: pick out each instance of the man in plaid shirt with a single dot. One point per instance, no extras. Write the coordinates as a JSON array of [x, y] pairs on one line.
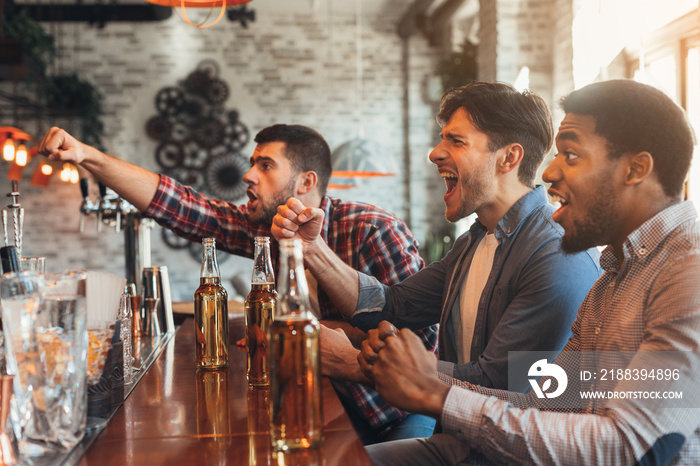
[[289, 160], [624, 151]]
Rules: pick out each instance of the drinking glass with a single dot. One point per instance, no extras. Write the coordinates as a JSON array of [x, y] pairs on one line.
[[46, 340], [37, 264], [125, 317]]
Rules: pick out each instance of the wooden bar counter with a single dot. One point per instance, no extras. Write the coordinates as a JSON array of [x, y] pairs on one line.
[[180, 416]]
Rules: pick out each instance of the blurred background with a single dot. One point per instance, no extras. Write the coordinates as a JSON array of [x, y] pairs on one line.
[[136, 80]]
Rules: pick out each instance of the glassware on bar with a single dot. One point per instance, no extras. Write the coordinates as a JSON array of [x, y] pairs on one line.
[[125, 315], [45, 326], [37, 264], [259, 307], [99, 344], [210, 313], [296, 418]]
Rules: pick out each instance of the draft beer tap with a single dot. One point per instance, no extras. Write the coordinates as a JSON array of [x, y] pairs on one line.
[[87, 206]]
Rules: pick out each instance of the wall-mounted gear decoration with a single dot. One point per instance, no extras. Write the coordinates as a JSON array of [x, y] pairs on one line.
[[200, 140]]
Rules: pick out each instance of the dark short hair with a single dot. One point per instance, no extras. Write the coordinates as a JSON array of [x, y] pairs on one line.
[[506, 116], [635, 117], [306, 149]]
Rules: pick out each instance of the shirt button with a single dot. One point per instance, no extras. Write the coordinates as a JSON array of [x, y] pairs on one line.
[[508, 230], [597, 330], [642, 251]]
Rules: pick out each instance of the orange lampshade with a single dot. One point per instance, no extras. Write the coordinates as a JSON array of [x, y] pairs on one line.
[[41, 175], [198, 3], [184, 4], [361, 158]]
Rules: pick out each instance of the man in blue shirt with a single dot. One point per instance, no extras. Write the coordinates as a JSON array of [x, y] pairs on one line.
[[506, 285]]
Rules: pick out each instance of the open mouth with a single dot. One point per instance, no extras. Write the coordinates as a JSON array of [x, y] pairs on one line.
[[563, 205], [450, 182], [252, 199]]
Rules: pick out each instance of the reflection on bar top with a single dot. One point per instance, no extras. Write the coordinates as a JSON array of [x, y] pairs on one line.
[[187, 307]]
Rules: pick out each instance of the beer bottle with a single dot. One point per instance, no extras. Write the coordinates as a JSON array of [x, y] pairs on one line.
[[296, 420], [259, 307], [210, 313]]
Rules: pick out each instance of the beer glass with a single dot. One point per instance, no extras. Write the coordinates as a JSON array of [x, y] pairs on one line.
[[47, 341]]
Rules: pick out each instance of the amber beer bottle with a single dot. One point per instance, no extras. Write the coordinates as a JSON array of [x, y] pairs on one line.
[[296, 420], [259, 307], [210, 313]]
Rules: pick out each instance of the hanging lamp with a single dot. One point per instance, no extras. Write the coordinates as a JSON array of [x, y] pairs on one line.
[[359, 157], [12, 140], [211, 4]]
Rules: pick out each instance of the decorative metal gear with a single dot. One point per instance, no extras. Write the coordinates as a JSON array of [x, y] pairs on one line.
[[217, 92], [197, 82], [188, 176], [209, 67], [199, 139], [209, 132], [158, 127], [192, 109], [196, 156], [169, 100], [180, 132], [170, 155], [224, 177], [236, 136], [232, 116]]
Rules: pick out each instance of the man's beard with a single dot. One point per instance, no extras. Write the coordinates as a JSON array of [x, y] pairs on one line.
[[474, 188], [268, 209], [598, 221]]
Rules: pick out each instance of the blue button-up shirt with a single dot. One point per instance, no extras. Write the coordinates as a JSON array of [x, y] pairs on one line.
[[528, 303]]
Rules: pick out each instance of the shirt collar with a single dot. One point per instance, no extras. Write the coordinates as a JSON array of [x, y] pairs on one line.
[[519, 212], [649, 234]]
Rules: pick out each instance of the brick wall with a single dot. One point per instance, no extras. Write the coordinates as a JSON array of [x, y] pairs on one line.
[[297, 67], [532, 33]]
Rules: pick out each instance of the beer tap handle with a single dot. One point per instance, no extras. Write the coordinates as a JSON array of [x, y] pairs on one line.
[[100, 206], [84, 208], [84, 187], [103, 189]]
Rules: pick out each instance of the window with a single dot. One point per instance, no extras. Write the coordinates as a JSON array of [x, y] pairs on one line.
[[670, 61]]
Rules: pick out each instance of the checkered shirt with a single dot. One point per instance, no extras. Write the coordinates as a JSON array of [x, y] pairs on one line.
[[365, 237], [649, 302]]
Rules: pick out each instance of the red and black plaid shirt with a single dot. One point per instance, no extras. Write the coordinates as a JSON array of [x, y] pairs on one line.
[[365, 237]]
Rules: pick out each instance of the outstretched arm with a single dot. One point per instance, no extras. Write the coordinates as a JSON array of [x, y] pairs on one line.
[[339, 280], [135, 184]]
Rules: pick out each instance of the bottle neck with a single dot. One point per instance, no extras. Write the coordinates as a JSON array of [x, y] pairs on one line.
[[210, 280], [210, 267], [293, 290], [262, 267]]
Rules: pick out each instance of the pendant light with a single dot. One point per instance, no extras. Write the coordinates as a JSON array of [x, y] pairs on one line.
[[211, 4], [13, 142], [360, 157]]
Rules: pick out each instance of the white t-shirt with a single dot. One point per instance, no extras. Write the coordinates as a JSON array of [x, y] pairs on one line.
[[471, 291]]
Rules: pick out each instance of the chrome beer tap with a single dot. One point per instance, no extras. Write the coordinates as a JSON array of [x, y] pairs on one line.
[[17, 218], [110, 209], [87, 206]]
